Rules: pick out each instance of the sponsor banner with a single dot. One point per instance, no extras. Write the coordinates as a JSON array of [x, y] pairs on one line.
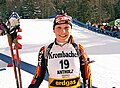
[[64, 82], [62, 54]]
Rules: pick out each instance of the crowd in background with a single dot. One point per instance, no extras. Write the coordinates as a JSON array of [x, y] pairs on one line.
[[105, 29]]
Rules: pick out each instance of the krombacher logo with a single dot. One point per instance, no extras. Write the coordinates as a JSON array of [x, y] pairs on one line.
[[52, 55]]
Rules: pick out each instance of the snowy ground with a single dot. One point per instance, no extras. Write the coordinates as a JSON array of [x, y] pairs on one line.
[[105, 50]]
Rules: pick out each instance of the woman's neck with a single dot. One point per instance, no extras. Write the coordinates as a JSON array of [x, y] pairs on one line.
[[61, 43]]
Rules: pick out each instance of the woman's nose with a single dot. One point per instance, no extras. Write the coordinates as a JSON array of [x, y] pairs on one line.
[[63, 31]]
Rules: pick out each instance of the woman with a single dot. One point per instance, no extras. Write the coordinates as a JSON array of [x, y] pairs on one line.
[[63, 60]]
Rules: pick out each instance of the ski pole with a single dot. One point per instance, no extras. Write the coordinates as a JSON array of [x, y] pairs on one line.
[[12, 27], [13, 60], [18, 60]]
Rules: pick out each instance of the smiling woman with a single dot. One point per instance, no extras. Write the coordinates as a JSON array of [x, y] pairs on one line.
[[62, 32], [62, 59], [62, 28]]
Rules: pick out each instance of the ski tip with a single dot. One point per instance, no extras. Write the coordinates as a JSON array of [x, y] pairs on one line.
[[19, 46], [19, 37], [20, 30], [9, 65]]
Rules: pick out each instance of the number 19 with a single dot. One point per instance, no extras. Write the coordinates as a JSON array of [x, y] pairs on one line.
[[64, 64]]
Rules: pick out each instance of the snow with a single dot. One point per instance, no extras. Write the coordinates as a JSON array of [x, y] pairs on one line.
[[38, 32]]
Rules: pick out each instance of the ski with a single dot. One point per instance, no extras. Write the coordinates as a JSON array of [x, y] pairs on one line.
[[12, 27]]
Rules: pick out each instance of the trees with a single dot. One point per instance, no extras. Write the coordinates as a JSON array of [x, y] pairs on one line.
[[2, 9], [117, 10], [96, 11]]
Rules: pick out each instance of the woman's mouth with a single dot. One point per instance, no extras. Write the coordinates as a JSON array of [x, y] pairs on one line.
[[62, 36]]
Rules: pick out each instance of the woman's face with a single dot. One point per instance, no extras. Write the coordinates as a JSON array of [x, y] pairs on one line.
[[62, 32]]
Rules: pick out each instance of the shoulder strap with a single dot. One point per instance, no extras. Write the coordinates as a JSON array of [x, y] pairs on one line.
[[49, 48], [76, 48]]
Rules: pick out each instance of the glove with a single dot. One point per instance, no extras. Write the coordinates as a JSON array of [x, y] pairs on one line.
[[88, 83]]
